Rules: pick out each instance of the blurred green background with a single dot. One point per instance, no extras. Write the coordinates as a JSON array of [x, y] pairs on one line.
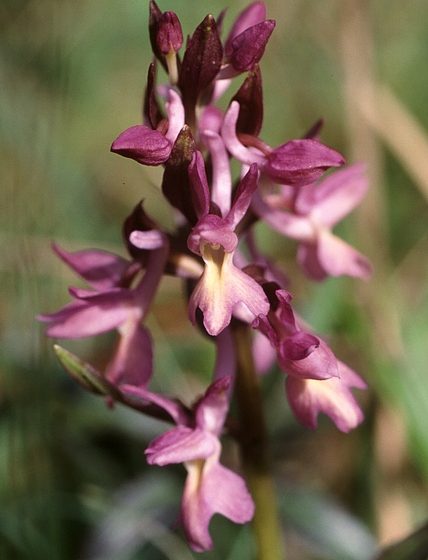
[[74, 482]]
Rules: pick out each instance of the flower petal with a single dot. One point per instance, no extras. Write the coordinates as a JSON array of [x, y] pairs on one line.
[[300, 162], [133, 360], [243, 196], [309, 397], [248, 47], [220, 288], [307, 257], [250, 16], [199, 185], [149, 240], [84, 318], [180, 445], [321, 363], [296, 227], [143, 144], [175, 110], [338, 258], [212, 408], [335, 196], [299, 346], [221, 184], [211, 488], [235, 147], [101, 269]]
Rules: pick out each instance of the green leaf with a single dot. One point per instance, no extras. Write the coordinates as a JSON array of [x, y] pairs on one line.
[[82, 372], [414, 547]]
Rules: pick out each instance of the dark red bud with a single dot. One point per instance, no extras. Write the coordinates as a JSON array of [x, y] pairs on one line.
[[155, 15], [169, 36], [201, 63], [248, 47], [176, 183], [250, 99], [152, 113]]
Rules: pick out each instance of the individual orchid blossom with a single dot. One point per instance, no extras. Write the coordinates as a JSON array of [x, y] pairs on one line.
[[231, 284], [333, 397], [299, 353], [148, 146], [210, 488], [312, 211], [317, 381], [297, 162], [109, 307], [222, 284]]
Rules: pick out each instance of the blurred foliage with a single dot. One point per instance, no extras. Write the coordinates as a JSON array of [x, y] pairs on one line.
[[74, 483]]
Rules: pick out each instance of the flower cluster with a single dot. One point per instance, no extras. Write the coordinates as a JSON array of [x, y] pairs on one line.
[[213, 250]]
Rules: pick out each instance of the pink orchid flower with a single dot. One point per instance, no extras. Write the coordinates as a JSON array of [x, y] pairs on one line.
[[222, 285], [210, 488], [308, 216]]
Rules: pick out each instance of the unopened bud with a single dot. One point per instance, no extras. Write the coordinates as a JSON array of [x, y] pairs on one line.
[[169, 36]]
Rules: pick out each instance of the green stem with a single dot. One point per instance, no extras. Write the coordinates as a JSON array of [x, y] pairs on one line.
[[254, 450]]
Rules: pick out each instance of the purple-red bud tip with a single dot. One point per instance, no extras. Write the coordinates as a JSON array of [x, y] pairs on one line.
[[143, 144], [169, 37], [248, 47]]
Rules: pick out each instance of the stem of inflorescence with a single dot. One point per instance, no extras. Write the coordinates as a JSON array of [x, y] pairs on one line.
[[254, 450]]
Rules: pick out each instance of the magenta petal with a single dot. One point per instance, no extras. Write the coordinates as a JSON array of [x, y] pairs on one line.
[[300, 162], [101, 269], [298, 346], [113, 296], [264, 326], [307, 257], [211, 119], [212, 229], [243, 196], [250, 16], [211, 488], [220, 288], [199, 183], [180, 445], [338, 258], [248, 47], [321, 363], [285, 312], [221, 184], [335, 196], [143, 144], [350, 377], [309, 397], [296, 227], [233, 500], [176, 119], [133, 360], [235, 147], [81, 318], [212, 408]]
